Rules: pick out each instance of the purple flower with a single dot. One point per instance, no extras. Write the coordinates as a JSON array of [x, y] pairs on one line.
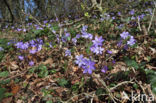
[[46, 21], [141, 16], [74, 40], [50, 45], [133, 18], [89, 66], [102, 19], [18, 29], [84, 28], [39, 28], [1, 49], [67, 53], [32, 51], [119, 13], [19, 44], [25, 46], [67, 35], [39, 47], [124, 35], [113, 17], [20, 57], [79, 60], [126, 47], [98, 41], [40, 41], [32, 42], [54, 31], [132, 12], [119, 43], [31, 63], [78, 36], [108, 51], [113, 61], [104, 69], [131, 41], [87, 35], [49, 25], [22, 45], [24, 30], [96, 49]]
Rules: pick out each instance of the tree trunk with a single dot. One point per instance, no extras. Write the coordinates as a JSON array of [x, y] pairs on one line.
[[12, 16]]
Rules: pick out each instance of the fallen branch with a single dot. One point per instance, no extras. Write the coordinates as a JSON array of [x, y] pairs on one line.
[[107, 89], [120, 84]]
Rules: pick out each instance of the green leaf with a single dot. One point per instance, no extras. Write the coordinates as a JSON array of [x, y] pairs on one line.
[[5, 81], [135, 86], [62, 82], [43, 71], [49, 101], [4, 74], [2, 91], [100, 91], [7, 94], [131, 63]]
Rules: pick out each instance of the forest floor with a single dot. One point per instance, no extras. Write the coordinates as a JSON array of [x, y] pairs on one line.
[[111, 59]]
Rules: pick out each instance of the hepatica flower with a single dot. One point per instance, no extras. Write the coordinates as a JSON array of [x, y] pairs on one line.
[[1, 49], [24, 30], [39, 48], [124, 35], [86, 64], [84, 28], [20, 57], [96, 49], [87, 35], [104, 69], [67, 53], [79, 60], [78, 36], [21, 45], [74, 40], [110, 52], [31, 63], [98, 41], [89, 66], [132, 12], [32, 51], [131, 41]]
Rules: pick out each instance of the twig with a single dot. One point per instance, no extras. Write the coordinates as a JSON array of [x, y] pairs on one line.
[[151, 20], [120, 84], [139, 24], [14, 76], [104, 84], [74, 22]]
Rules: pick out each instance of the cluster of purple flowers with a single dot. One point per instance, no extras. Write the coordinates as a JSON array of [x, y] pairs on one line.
[[85, 34], [66, 37], [97, 45], [85, 63], [74, 40], [125, 35], [35, 45]]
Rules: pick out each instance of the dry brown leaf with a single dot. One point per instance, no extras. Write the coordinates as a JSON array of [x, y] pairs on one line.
[[75, 68], [48, 61], [13, 65], [15, 88], [7, 100]]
